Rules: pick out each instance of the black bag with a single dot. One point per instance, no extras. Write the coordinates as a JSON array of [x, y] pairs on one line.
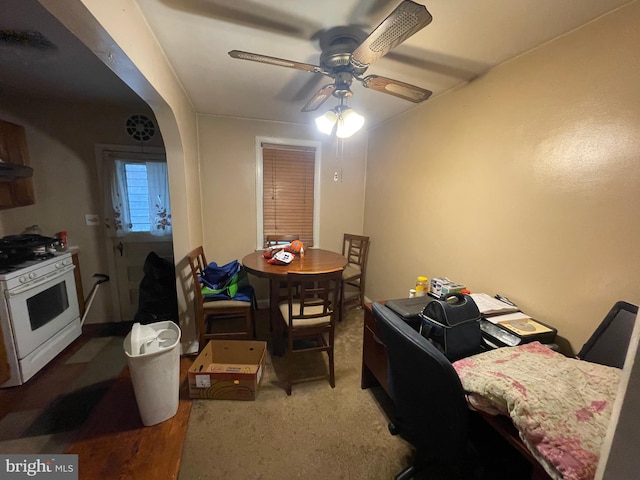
[[157, 297], [452, 323]]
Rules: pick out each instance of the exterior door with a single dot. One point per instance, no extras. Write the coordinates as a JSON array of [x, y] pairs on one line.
[[137, 215]]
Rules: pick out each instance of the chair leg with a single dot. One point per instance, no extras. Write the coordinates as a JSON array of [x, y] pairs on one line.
[[253, 324], [341, 301], [332, 372], [202, 325], [289, 364], [250, 324], [289, 373], [330, 353]]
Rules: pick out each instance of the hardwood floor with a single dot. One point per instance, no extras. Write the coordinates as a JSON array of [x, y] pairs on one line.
[[83, 403], [114, 444]]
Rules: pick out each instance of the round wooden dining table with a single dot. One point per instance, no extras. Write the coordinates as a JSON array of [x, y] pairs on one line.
[[315, 260]]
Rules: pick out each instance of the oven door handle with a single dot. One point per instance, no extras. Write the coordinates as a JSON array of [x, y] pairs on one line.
[[39, 281]]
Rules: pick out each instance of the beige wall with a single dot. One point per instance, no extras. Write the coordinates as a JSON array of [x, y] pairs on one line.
[[228, 176], [524, 182], [61, 139], [118, 34]]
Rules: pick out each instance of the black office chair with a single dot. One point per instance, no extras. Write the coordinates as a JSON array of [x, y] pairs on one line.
[[609, 343], [431, 409]]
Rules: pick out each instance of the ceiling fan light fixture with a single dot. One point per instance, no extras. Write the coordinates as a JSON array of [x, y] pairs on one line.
[[349, 122], [346, 120], [326, 122]]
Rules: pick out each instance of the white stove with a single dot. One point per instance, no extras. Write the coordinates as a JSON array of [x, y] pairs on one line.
[[39, 314]]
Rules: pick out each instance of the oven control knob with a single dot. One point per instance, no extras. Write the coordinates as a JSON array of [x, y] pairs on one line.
[[32, 275], [23, 279], [59, 265], [67, 261]]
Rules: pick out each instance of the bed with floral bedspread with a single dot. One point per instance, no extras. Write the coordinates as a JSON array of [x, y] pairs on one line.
[[560, 406]]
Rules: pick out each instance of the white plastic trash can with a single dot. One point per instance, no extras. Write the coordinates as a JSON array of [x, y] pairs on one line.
[[153, 355]]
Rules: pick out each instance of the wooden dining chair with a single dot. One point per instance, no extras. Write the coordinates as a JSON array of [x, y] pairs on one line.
[[209, 310], [356, 249], [272, 241], [309, 317]]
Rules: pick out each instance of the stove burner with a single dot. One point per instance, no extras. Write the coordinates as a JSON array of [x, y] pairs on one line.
[[41, 256], [17, 249], [25, 241]]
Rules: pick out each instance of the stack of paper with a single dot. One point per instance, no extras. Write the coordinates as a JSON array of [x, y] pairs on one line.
[[489, 305]]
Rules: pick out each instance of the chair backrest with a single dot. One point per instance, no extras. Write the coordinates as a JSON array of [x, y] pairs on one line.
[[273, 240], [432, 411], [609, 343], [197, 262], [356, 249], [313, 296]]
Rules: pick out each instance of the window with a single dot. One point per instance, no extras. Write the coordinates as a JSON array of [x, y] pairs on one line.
[[289, 187], [138, 196], [138, 200]]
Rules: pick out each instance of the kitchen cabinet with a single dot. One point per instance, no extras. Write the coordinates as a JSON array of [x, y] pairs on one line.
[[13, 149]]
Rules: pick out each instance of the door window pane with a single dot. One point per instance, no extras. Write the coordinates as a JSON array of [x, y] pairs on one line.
[[138, 196]]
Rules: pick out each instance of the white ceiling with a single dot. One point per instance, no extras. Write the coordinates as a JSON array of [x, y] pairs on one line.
[[465, 39], [64, 69]]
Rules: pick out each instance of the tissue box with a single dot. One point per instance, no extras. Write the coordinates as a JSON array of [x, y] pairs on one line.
[[435, 286], [441, 286], [451, 288]]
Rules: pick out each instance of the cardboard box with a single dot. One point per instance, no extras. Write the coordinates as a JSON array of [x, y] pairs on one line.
[[228, 370]]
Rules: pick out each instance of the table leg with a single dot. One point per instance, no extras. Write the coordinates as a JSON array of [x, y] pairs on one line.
[[274, 317]]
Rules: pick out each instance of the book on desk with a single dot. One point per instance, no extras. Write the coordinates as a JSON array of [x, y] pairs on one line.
[[524, 326]]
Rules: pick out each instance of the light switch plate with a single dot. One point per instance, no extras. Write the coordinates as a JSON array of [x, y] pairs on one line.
[[91, 219]]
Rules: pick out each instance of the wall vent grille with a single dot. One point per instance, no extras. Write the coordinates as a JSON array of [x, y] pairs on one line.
[[141, 128]]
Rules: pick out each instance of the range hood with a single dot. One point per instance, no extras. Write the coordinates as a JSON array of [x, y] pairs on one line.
[[13, 171]]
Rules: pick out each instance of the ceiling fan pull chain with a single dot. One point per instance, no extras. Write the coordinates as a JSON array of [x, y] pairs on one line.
[[341, 140], [337, 174]]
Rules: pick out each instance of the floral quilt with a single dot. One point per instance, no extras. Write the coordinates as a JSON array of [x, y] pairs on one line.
[[560, 406]]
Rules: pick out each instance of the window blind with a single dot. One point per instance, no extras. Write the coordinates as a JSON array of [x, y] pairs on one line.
[[288, 190]]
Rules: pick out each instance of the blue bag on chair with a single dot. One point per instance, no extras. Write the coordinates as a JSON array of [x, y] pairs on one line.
[[226, 282]]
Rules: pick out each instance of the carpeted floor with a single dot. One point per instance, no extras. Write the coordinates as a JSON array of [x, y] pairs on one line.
[[316, 433]]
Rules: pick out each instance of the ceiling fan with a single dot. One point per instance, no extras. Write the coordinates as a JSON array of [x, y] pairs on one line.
[[347, 53]]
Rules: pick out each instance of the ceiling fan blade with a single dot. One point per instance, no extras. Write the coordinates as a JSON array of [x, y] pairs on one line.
[[280, 62], [365, 12], [319, 98], [396, 88], [252, 14], [408, 18]]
